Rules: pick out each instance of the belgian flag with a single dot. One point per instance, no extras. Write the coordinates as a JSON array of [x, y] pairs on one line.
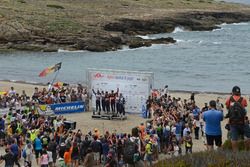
[[50, 70]]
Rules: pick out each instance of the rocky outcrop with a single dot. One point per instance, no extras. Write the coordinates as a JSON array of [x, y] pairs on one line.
[[139, 42], [13, 32], [14, 35], [193, 21]]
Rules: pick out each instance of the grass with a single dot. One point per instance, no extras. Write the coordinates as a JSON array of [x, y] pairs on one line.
[[62, 24], [209, 159], [220, 158], [63, 16]]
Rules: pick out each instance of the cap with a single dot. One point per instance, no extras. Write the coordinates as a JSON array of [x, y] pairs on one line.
[[236, 89]]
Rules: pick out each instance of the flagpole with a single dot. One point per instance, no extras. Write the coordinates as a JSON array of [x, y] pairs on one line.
[[54, 79]]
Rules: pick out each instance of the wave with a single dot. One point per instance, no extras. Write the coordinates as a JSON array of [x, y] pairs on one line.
[[236, 24], [217, 29], [144, 36], [69, 51], [199, 92], [241, 24], [216, 43], [223, 24], [178, 29], [180, 40], [24, 82], [188, 41]]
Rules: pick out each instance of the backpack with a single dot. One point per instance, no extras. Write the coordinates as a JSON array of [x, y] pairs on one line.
[[153, 148], [236, 112], [129, 150], [24, 154]]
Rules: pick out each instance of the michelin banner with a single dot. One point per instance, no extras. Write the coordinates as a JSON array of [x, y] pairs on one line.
[[67, 108], [135, 86]]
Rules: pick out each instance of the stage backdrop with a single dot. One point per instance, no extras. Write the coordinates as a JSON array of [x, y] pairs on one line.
[[135, 86]]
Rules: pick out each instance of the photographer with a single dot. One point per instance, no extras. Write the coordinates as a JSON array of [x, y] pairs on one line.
[[8, 158]]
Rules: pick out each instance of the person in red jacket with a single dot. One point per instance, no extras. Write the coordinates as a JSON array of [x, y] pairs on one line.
[[238, 127]]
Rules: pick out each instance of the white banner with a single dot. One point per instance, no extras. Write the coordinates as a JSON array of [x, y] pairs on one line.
[[135, 86]]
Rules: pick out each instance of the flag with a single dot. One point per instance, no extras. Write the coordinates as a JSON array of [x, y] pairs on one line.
[[60, 84], [51, 69]]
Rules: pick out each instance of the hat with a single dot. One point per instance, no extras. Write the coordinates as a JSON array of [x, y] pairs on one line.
[[236, 89]]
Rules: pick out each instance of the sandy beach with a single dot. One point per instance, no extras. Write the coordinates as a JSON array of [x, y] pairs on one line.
[[86, 123]]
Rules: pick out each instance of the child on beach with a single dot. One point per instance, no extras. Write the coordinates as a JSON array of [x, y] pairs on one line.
[[188, 143]]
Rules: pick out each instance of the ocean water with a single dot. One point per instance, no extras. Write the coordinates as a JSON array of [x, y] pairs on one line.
[[211, 61], [238, 1]]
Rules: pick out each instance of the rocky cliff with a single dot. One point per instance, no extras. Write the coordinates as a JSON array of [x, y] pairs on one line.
[[31, 32]]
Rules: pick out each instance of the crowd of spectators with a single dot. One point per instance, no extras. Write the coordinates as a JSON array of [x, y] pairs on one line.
[[12, 99], [169, 128]]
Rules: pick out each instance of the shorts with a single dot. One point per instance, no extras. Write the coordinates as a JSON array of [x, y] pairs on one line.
[[37, 153], [96, 156], [237, 130], [178, 137], [211, 139], [44, 165], [148, 158], [2, 135], [54, 156], [76, 157]]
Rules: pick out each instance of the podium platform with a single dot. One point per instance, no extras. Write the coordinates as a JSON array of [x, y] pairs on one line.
[[108, 117]]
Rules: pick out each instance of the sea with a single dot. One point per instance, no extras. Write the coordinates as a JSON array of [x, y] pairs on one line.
[[237, 1], [204, 61]]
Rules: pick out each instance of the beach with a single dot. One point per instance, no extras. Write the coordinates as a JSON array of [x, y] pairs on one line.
[[86, 123]]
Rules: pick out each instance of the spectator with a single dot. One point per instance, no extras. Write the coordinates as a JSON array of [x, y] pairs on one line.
[[89, 160], [67, 157], [8, 158], [196, 124], [38, 148], [219, 105], [213, 120], [44, 159], [148, 153], [188, 143], [237, 118], [96, 146], [15, 151]]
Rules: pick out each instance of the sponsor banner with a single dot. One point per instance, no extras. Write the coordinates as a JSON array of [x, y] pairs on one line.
[[66, 108], [135, 86]]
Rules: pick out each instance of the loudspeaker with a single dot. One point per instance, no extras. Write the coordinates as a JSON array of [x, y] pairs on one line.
[[69, 125]]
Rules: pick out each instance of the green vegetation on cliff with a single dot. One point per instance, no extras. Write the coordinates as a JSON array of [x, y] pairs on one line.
[[209, 159], [81, 16]]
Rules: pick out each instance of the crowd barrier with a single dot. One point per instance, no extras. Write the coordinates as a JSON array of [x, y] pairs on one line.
[[62, 108], [68, 108]]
